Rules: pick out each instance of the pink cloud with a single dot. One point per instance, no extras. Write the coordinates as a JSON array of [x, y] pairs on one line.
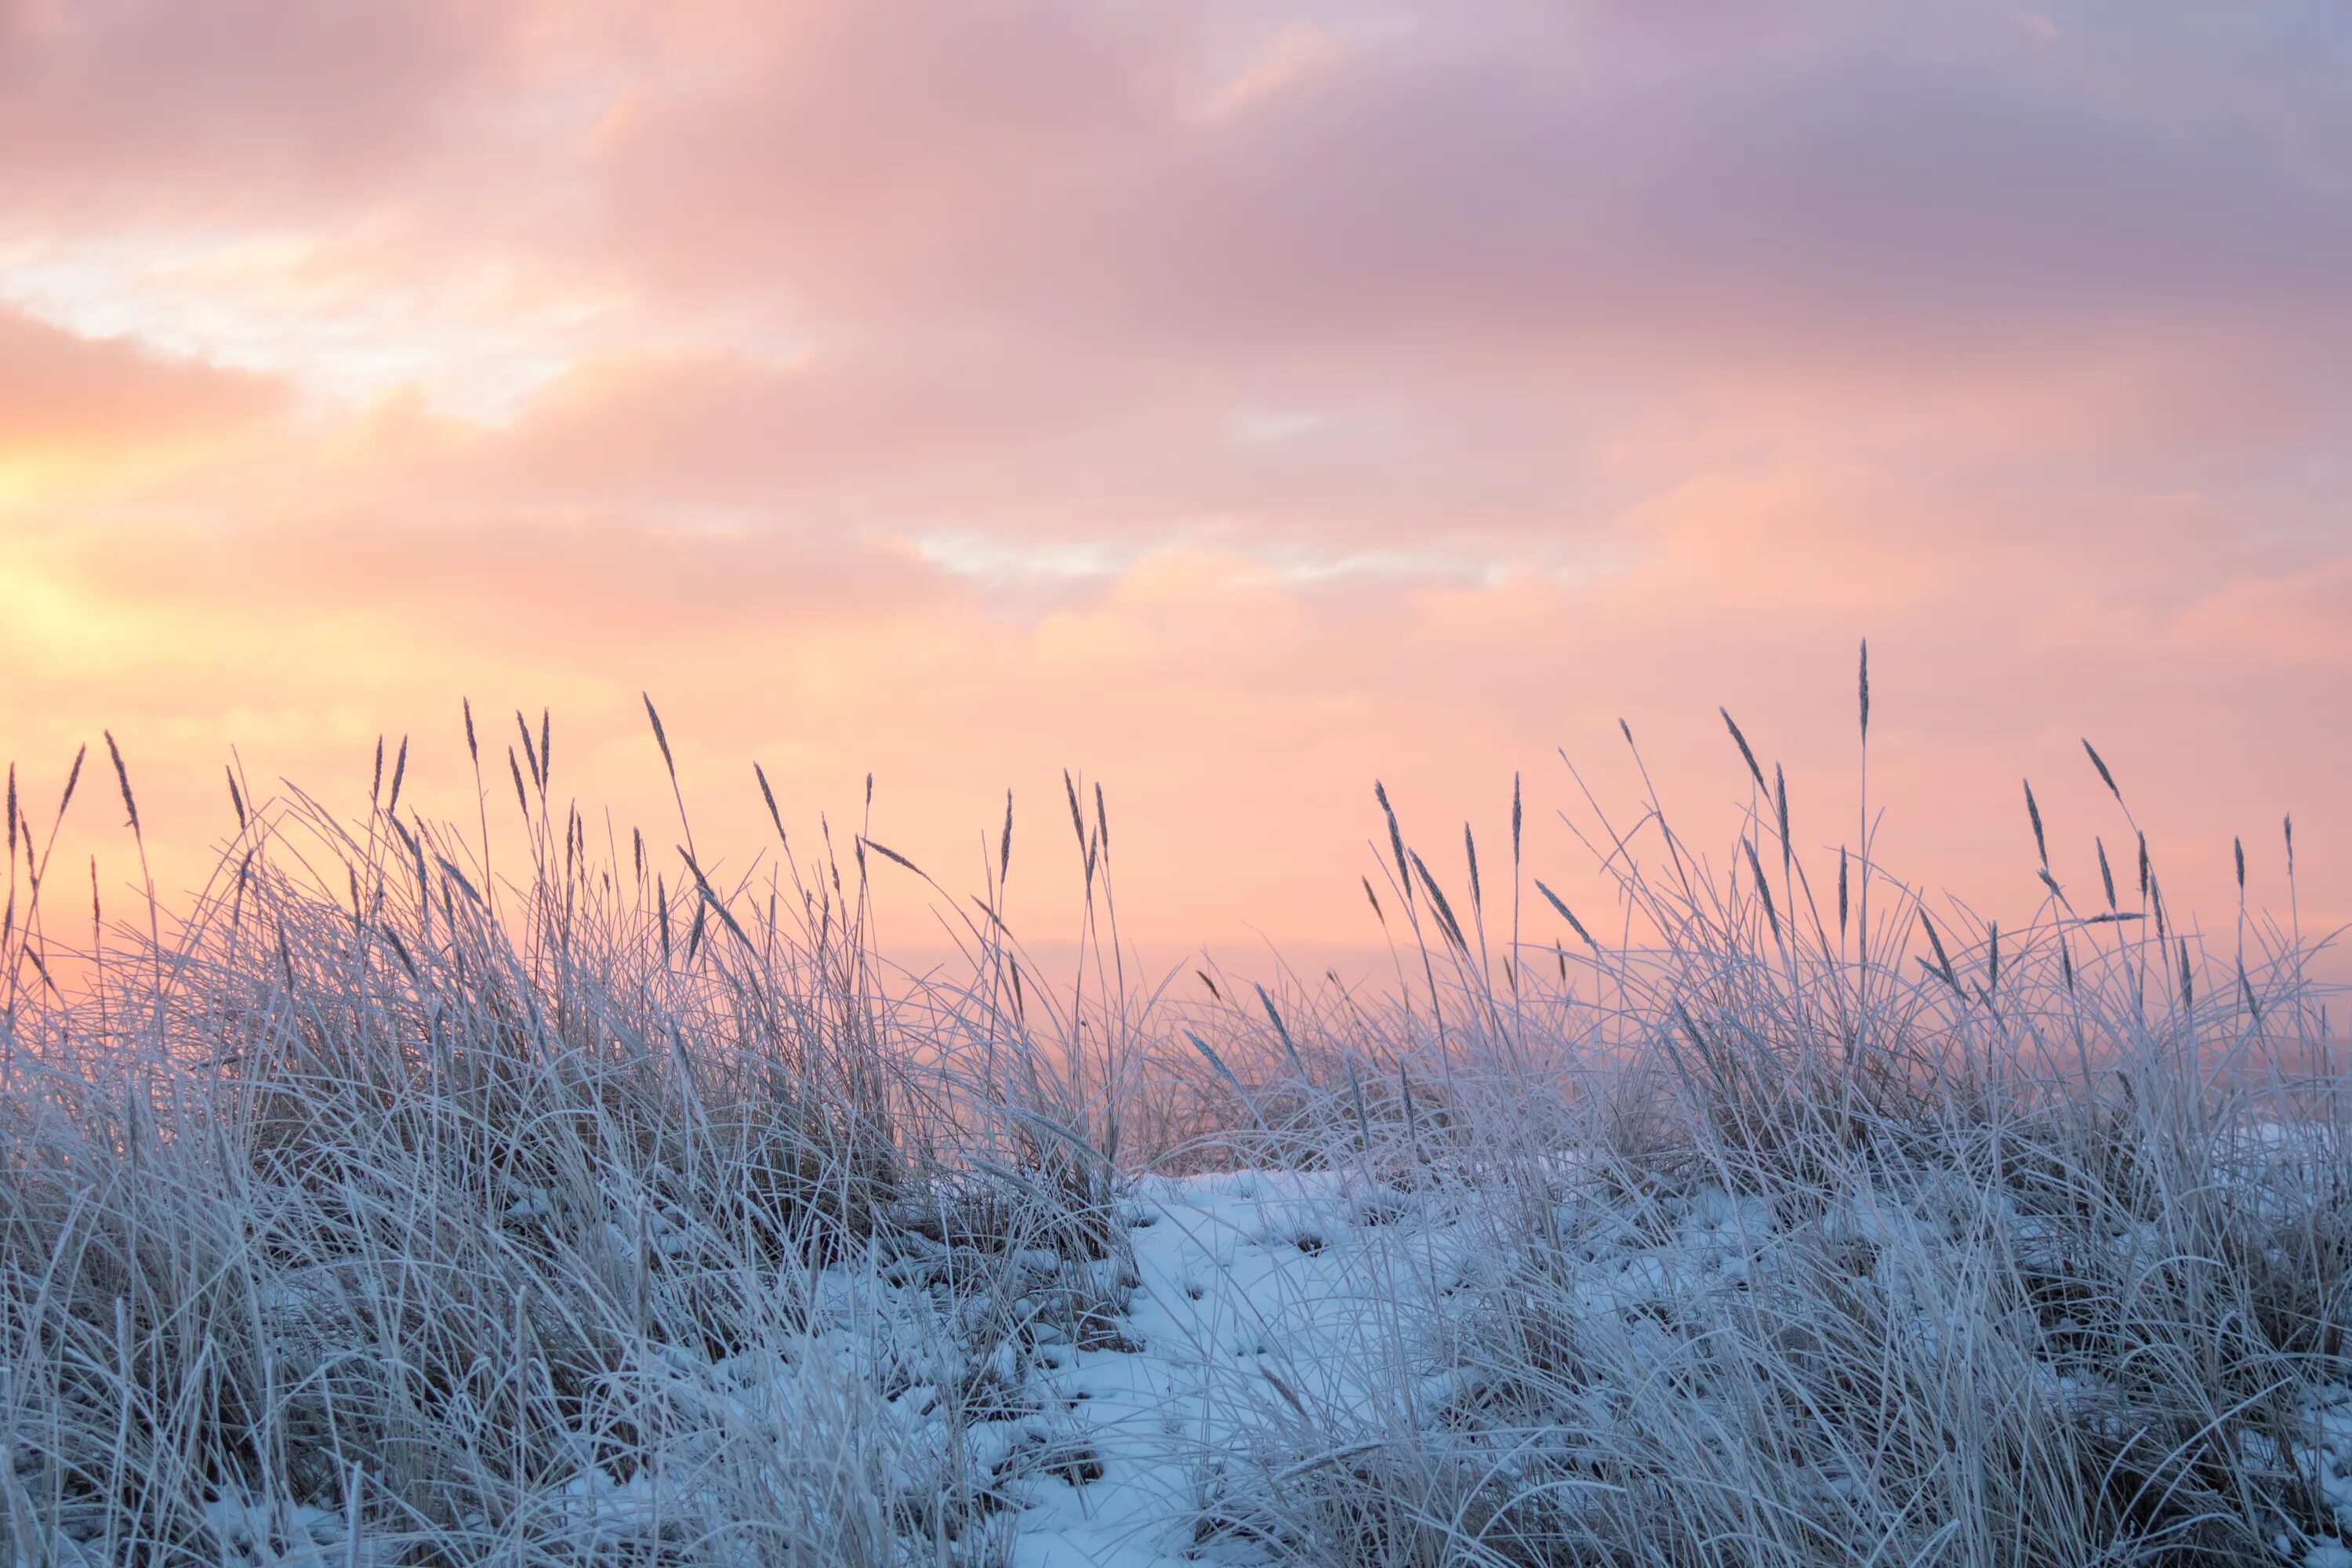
[[1241, 400], [62, 393], [129, 110]]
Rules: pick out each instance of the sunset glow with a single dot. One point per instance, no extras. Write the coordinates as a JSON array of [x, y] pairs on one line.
[[1232, 403]]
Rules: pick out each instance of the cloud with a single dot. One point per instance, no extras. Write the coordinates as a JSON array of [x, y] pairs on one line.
[[1243, 399], [65, 397], [524, 585], [1464, 188], [148, 109], [2299, 620]]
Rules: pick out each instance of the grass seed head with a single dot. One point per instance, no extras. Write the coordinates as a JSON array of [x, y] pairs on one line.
[[2033, 815], [1569, 916], [1864, 685], [122, 777], [2105, 778], [1452, 928], [1470, 852], [1746, 753], [1936, 942], [1763, 887], [530, 752], [661, 737], [1781, 815], [1396, 838], [73, 777], [769, 795]]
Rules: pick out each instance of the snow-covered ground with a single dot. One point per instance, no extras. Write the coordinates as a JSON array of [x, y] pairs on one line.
[[1263, 1310], [1256, 1289], [1265, 1292]]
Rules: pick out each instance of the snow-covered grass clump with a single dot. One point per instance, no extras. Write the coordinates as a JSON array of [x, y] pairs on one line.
[[387, 1210]]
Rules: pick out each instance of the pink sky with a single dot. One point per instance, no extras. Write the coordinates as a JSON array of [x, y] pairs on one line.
[[1234, 402]]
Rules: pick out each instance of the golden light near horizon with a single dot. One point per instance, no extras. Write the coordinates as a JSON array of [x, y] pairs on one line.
[[1233, 403]]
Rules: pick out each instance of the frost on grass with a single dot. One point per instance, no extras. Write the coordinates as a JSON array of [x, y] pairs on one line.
[[390, 1210], [471, 1222]]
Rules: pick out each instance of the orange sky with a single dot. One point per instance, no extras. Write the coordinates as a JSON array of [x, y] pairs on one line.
[[1234, 402]]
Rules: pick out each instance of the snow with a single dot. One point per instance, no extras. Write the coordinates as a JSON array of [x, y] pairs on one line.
[[1263, 1290], [1262, 1304], [1255, 1288]]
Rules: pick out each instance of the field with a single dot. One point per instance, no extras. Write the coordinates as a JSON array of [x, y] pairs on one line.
[[390, 1207]]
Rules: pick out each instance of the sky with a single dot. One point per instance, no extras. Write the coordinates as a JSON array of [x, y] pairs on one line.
[[1233, 403]]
